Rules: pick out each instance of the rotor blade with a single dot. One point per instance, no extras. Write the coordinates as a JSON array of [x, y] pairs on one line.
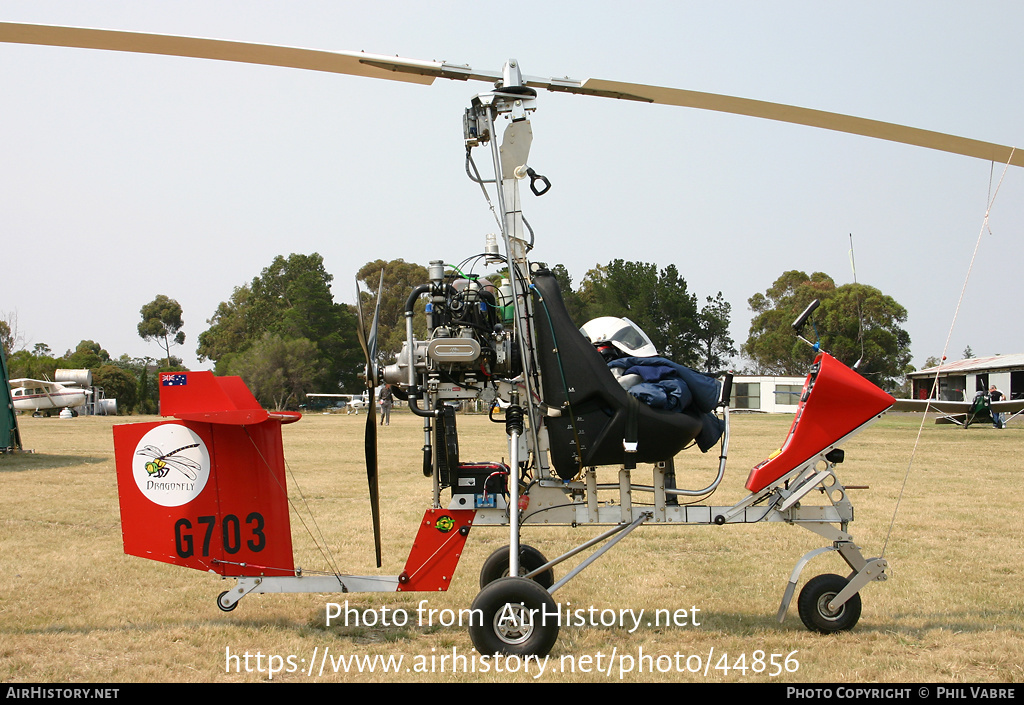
[[346, 62], [424, 72], [797, 116], [370, 441]]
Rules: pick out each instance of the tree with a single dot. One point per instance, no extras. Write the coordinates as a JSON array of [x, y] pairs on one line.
[[400, 278], [968, 353], [148, 388], [716, 345], [117, 383], [161, 322], [6, 338], [676, 318], [854, 322], [623, 289], [10, 336], [658, 302], [771, 345], [87, 355], [145, 374], [145, 395], [290, 299], [231, 330], [34, 364], [279, 371], [574, 302]]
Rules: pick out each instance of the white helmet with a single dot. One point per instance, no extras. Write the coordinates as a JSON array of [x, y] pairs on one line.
[[620, 332]]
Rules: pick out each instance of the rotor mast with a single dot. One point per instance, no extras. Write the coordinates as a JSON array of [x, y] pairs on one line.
[[514, 100]]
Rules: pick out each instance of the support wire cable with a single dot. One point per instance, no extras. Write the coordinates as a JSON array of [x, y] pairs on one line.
[[320, 544], [991, 199]]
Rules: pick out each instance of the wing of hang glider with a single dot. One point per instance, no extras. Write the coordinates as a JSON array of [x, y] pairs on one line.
[[424, 72], [954, 407]]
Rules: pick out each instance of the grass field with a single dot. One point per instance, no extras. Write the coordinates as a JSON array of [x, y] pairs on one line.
[[74, 608]]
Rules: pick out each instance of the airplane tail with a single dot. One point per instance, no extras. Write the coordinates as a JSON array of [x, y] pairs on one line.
[[206, 490]]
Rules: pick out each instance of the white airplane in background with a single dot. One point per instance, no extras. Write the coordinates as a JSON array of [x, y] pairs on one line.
[[353, 402], [38, 395]]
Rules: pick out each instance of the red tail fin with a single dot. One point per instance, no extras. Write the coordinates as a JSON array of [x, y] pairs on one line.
[[207, 491]]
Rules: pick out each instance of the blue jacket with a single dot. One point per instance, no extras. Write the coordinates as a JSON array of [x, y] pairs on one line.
[[668, 385], [673, 387]]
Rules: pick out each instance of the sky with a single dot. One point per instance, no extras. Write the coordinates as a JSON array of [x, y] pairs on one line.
[[125, 176]]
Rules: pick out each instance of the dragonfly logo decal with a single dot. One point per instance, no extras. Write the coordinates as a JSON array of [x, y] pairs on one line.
[[162, 463], [171, 464]]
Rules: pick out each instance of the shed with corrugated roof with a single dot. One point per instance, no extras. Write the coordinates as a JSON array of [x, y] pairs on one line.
[[961, 380]]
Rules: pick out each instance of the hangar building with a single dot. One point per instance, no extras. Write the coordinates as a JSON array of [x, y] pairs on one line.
[[961, 380]]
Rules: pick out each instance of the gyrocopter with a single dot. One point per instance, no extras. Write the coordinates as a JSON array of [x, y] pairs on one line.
[[207, 488]]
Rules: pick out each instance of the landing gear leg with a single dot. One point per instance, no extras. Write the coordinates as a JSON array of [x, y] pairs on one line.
[[831, 603]]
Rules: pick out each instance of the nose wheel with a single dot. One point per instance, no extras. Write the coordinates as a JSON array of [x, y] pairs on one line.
[[814, 610]]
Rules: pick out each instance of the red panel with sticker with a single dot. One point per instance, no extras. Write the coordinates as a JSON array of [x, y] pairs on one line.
[[835, 402], [436, 551]]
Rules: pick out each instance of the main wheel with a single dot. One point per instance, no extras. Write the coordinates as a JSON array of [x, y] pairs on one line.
[[813, 605], [496, 566], [514, 616]]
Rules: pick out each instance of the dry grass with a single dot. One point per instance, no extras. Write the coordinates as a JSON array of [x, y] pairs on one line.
[[74, 608]]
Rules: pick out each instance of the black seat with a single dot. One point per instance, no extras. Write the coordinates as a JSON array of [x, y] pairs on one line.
[[592, 430]]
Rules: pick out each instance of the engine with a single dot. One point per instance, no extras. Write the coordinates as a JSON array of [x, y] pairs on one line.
[[470, 338], [469, 351]]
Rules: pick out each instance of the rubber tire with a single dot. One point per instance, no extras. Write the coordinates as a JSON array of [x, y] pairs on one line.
[[491, 604], [816, 594], [496, 566], [222, 607]]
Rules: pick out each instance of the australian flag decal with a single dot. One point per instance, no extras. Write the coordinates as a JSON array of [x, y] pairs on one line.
[[173, 380]]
